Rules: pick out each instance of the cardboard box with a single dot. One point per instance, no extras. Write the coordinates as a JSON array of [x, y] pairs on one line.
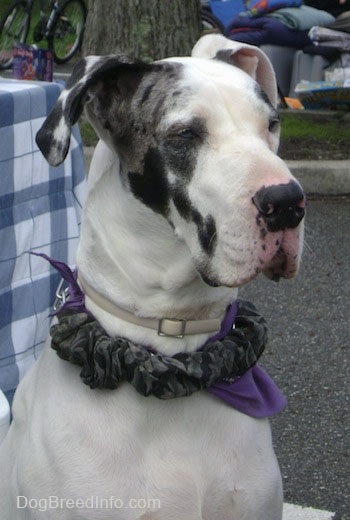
[[330, 95], [32, 63]]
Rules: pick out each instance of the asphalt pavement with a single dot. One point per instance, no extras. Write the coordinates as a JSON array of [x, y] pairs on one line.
[[308, 356]]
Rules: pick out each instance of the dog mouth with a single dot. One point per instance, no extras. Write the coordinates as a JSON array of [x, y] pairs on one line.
[[285, 262], [279, 257], [278, 267]]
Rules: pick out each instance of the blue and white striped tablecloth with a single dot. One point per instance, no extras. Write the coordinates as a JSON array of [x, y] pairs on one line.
[[40, 210]]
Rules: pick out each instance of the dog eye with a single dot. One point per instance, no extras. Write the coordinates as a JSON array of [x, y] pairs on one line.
[[187, 134], [274, 125]]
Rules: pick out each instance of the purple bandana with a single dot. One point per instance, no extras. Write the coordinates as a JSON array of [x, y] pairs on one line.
[[76, 299], [254, 394]]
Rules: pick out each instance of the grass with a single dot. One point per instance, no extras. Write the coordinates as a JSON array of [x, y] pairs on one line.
[[88, 134], [4, 6], [320, 126], [35, 15], [34, 18]]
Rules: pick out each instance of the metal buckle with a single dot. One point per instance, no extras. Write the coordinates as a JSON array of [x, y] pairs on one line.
[[61, 295], [182, 328]]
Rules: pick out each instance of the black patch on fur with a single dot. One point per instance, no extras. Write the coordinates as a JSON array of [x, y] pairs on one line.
[[151, 187], [183, 204], [207, 234], [206, 228], [182, 160], [182, 147], [209, 281], [73, 107], [146, 94], [45, 136]]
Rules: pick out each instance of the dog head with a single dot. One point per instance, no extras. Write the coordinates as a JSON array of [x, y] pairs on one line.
[[197, 140]]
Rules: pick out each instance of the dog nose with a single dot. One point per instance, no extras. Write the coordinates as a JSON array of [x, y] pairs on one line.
[[282, 206]]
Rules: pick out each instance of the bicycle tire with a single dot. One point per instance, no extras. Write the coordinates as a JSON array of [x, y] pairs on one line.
[[67, 31], [14, 28], [210, 22]]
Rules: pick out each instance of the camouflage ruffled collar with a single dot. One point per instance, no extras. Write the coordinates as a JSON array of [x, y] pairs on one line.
[[107, 361], [217, 367]]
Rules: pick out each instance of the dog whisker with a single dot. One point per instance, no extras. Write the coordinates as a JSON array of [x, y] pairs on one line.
[[307, 247], [212, 238]]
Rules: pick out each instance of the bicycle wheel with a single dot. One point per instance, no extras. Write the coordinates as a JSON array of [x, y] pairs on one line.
[[210, 22], [14, 28], [67, 32]]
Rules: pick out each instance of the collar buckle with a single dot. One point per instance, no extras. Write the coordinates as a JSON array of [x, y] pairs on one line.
[[171, 328]]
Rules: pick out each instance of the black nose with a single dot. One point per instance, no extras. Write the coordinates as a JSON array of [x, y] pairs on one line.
[[282, 206]]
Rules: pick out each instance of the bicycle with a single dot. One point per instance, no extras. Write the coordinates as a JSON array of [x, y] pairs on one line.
[[209, 21], [63, 28]]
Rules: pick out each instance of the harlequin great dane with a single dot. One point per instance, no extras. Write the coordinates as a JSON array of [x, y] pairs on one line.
[[187, 201]]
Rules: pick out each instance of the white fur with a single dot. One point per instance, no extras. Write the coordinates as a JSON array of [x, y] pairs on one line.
[[200, 458]]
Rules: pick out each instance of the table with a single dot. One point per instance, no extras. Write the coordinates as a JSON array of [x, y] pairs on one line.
[[40, 211]]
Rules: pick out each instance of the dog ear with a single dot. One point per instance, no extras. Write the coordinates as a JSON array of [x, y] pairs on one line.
[[120, 73], [247, 57]]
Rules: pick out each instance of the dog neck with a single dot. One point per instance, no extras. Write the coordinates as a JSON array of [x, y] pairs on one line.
[[147, 270], [165, 327]]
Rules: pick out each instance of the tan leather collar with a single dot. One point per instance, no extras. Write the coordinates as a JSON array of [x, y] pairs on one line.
[[176, 328]]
